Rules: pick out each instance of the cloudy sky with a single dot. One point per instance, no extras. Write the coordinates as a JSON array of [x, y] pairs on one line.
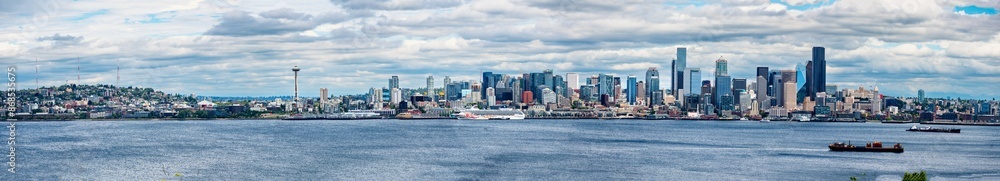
[[247, 48]]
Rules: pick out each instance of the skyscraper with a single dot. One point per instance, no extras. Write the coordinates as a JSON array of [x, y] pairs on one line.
[[640, 93], [487, 83], [560, 86], [652, 80], [762, 87], [395, 96], [761, 92], [631, 85], [491, 96], [762, 71], [587, 93], [920, 96], [694, 81], [818, 70], [673, 76], [323, 92], [430, 87], [572, 81], [788, 76], [739, 85], [679, 66], [549, 78], [801, 79], [721, 67], [516, 90], [789, 96], [605, 85], [475, 93], [394, 82], [723, 87], [447, 81]]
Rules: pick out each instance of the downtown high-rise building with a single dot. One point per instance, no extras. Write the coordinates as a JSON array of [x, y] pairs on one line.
[[430, 88], [762, 87], [723, 93], [559, 86], [631, 88], [572, 81], [640, 93], [488, 82], [549, 79], [920, 96], [739, 85], [818, 78], [652, 80], [722, 87], [394, 82], [721, 67], [802, 90], [323, 93], [491, 96], [446, 83], [694, 81], [679, 66], [605, 85], [761, 91]]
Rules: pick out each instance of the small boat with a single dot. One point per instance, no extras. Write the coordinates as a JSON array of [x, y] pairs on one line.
[[765, 120], [933, 129], [870, 147]]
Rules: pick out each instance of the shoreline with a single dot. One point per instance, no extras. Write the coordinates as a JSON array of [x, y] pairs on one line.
[[405, 119]]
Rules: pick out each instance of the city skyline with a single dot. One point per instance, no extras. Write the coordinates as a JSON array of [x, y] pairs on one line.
[[245, 49]]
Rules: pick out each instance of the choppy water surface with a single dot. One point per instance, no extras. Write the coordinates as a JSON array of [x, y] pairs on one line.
[[491, 150]]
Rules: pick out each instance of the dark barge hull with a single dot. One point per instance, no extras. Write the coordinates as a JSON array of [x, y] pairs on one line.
[[938, 130], [864, 149]]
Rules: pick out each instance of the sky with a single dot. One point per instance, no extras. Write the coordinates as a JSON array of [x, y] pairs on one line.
[[248, 48]]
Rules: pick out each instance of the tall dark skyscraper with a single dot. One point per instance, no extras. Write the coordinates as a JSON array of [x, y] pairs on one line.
[[739, 85], [487, 83], [673, 66], [818, 79], [679, 65], [762, 72]]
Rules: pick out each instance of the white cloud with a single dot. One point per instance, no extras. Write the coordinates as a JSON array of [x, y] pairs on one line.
[[357, 44]]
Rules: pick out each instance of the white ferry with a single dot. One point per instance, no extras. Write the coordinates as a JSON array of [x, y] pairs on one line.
[[492, 114]]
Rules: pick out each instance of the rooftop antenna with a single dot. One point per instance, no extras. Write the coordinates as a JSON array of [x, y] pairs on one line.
[[36, 73], [78, 70]]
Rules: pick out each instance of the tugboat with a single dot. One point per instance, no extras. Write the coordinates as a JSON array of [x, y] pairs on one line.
[[933, 129], [870, 147]]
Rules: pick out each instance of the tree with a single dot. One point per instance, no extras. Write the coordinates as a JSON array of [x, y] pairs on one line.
[[922, 176]]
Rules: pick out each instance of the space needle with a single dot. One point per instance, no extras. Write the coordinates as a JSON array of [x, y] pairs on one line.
[[296, 70]]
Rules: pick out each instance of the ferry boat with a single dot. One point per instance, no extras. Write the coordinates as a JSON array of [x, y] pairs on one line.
[[870, 147], [303, 117], [491, 114], [933, 129]]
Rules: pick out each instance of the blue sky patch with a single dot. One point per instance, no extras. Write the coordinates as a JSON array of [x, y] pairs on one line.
[[973, 10], [89, 15], [805, 6]]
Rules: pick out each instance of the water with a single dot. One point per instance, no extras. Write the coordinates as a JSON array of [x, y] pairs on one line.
[[491, 150]]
